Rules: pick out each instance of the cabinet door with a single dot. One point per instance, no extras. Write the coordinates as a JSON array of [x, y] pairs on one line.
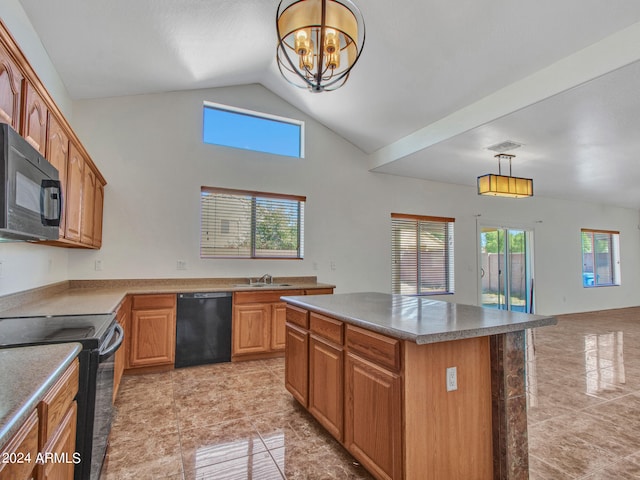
[[251, 328], [88, 198], [58, 156], [278, 321], [63, 445], [120, 358], [10, 90], [98, 205], [153, 337], [75, 181], [326, 393], [373, 418], [34, 123], [25, 444], [296, 363]]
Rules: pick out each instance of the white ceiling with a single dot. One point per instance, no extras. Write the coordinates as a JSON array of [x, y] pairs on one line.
[[436, 83]]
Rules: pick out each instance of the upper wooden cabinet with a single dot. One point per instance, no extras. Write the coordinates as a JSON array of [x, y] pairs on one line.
[[73, 201], [58, 155], [34, 119], [28, 107], [10, 90]]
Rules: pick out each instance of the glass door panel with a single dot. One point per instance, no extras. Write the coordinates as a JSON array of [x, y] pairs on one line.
[[505, 271]]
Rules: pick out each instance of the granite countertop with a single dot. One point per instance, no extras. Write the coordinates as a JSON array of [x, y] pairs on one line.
[[95, 297], [27, 373], [418, 319]]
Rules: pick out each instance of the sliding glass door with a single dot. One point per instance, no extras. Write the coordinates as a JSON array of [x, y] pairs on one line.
[[506, 278]]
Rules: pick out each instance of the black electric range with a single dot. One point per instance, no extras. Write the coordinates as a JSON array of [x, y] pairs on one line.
[[100, 337]]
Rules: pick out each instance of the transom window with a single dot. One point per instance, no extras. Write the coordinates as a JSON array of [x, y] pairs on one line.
[[245, 224], [421, 254], [600, 258], [249, 130]]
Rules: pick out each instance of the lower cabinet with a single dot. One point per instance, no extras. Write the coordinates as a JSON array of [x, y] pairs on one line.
[[326, 384], [251, 329], [373, 419], [349, 379], [296, 363], [153, 331], [44, 446], [259, 322]]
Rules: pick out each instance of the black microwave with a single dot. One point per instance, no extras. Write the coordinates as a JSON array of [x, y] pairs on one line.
[[31, 197]]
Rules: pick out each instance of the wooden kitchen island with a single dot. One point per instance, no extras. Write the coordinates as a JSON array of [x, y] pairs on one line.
[[414, 388]]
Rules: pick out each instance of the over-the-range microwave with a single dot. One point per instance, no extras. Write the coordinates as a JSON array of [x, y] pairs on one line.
[[30, 195]]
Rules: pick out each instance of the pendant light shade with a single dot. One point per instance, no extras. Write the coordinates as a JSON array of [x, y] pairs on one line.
[[319, 42], [505, 185]]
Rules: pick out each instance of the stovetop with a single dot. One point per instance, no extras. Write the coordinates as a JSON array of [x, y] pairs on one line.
[[89, 330]]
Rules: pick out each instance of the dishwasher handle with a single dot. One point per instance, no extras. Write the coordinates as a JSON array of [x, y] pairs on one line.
[[199, 295]]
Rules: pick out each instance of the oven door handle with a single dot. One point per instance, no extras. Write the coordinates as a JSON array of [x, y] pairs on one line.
[[115, 345]]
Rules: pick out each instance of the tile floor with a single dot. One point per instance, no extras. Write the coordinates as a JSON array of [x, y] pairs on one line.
[[236, 421]]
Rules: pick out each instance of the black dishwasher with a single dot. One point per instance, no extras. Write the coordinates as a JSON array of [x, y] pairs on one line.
[[203, 328]]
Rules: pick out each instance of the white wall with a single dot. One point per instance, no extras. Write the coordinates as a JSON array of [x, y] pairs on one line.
[[26, 266], [150, 150]]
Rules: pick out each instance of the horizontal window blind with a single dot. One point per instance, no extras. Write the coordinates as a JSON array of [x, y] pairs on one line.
[[246, 224], [422, 254]]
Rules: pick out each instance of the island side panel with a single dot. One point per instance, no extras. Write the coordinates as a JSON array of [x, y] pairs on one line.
[[448, 433], [510, 439]]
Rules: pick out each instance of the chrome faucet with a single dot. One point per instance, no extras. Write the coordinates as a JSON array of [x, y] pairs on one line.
[[266, 278]]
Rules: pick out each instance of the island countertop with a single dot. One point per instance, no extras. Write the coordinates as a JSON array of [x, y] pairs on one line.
[[418, 319], [27, 374]]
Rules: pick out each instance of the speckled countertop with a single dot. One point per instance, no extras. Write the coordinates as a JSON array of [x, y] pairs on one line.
[[26, 374], [418, 319], [103, 296]]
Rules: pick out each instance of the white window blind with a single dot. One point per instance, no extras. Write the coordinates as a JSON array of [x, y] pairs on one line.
[[245, 224], [600, 258], [421, 254]]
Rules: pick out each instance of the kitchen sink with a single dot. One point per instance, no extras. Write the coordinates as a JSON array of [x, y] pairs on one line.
[[262, 284]]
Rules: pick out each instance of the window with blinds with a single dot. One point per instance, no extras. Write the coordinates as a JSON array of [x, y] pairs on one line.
[[600, 258], [421, 254], [244, 224]]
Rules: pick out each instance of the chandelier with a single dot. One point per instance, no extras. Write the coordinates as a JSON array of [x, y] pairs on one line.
[[319, 42], [505, 185]]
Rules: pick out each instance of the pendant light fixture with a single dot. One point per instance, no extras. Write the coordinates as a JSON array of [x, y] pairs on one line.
[[319, 42], [503, 185]]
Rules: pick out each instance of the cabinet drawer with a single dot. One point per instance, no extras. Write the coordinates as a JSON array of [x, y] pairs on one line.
[[318, 291], [298, 315], [56, 402], [151, 302], [263, 296], [24, 444], [326, 327], [374, 346]]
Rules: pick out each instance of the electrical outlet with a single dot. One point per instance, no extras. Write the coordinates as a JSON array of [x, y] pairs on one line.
[[181, 265], [452, 379], [332, 265], [98, 265], [1, 268]]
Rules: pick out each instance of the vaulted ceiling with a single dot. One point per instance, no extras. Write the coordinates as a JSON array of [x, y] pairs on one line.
[[436, 85]]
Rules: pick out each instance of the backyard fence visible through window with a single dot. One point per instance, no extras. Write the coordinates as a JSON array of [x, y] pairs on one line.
[[244, 224], [600, 258], [421, 254]]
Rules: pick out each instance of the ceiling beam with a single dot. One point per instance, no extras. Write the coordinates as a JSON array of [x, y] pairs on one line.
[[613, 52]]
